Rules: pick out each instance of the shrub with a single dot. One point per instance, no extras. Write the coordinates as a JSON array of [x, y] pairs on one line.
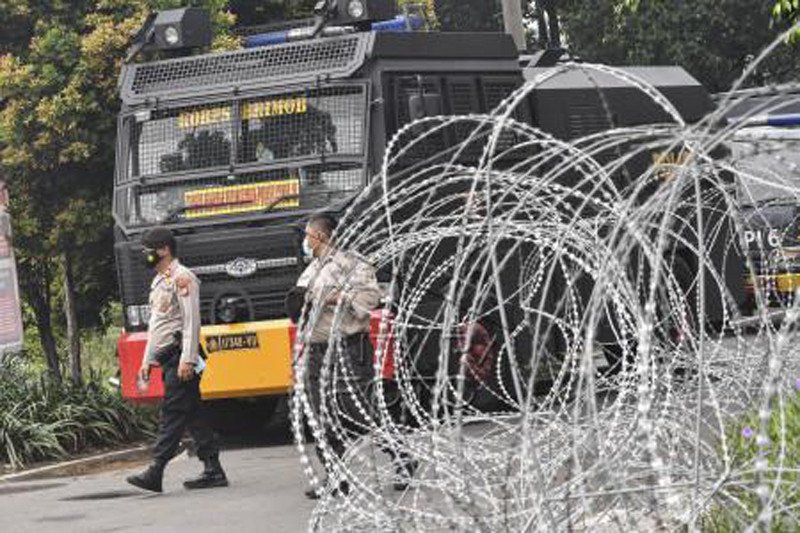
[[41, 420]]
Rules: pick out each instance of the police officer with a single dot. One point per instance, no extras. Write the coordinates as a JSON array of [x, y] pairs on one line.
[[173, 343], [339, 278]]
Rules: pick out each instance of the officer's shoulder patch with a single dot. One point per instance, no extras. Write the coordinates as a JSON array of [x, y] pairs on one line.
[[184, 282]]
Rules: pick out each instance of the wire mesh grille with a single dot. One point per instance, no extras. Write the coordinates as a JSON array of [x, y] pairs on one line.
[[464, 100], [244, 67], [299, 187], [495, 92], [314, 122], [175, 140], [404, 90], [779, 159], [311, 123]]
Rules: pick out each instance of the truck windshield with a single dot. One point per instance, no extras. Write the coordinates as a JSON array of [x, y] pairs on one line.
[[769, 161], [294, 150]]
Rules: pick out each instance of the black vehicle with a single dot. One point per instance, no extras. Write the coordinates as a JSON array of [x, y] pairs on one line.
[[766, 152], [233, 150]]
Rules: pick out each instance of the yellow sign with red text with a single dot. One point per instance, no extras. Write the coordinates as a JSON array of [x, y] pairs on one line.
[[235, 199]]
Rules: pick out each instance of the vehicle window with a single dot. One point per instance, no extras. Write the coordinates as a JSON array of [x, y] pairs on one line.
[[310, 123], [769, 168], [184, 139]]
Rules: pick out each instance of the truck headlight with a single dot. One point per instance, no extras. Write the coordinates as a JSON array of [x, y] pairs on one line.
[[132, 315], [171, 35], [138, 315], [355, 9]]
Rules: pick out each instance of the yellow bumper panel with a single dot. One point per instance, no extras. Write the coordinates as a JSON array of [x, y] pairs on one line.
[[788, 282], [782, 283], [251, 359]]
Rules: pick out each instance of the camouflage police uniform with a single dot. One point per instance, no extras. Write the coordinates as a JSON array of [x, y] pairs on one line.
[[352, 357]]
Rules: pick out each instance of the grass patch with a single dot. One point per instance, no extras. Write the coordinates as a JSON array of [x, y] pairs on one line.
[[779, 456]]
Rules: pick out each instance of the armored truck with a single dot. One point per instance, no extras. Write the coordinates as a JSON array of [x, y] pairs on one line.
[[234, 150]]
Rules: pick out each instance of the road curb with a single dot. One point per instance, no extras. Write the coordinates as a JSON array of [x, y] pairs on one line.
[[69, 467]]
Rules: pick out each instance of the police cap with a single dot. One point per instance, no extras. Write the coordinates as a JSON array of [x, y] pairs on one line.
[[159, 237]]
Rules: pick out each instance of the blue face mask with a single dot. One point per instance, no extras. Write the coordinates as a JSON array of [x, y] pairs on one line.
[[307, 249]]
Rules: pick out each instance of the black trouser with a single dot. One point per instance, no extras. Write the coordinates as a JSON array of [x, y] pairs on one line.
[[182, 409], [351, 361]]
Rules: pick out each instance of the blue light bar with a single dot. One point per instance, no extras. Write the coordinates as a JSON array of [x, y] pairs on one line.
[[784, 120], [789, 119], [266, 39], [397, 24]]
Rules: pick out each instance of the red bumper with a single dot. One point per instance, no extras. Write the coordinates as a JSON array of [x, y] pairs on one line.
[[130, 348]]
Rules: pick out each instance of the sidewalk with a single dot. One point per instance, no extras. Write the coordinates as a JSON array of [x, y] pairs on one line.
[[266, 494]]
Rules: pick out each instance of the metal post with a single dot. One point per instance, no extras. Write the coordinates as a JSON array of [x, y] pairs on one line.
[[512, 16]]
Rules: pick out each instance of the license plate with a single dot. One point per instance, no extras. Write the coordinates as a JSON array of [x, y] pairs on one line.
[[232, 342]]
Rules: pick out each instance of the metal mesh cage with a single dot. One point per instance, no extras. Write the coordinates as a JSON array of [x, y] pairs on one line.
[[179, 140], [291, 188], [312, 123], [496, 90], [273, 128], [264, 66]]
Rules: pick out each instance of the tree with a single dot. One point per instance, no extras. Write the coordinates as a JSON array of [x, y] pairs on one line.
[[249, 13], [59, 62], [787, 12], [428, 6], [713, 39], [469, 15]]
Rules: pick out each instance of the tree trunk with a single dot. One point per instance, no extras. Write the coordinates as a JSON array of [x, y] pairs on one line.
[[73, 329], [39, 298]]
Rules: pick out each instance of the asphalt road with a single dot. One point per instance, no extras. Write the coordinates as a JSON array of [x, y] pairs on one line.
[[266, 494]]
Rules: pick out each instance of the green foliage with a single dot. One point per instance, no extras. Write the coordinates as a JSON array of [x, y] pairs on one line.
[[42, 420], [713, 39], [100, 345], [787, 13], [59, 65], [738, 505], [429, 7], [469, 15], [249, 13]]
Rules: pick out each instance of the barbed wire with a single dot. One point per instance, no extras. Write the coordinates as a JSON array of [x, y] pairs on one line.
[[569, 329]]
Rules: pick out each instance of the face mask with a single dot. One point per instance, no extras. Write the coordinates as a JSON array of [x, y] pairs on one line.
[[151, 259], [307, 249]]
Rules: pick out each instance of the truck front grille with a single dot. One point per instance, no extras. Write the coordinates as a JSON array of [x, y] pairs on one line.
[[255, 266]]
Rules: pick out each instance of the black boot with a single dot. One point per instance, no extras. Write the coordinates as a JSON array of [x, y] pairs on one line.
[[212, 476], [150, 479]]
